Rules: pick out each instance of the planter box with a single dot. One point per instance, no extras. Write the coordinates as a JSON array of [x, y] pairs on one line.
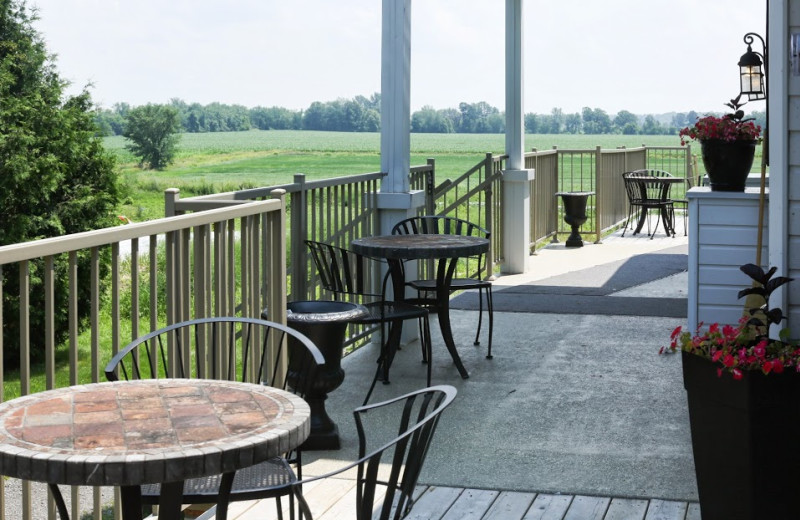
[[745, 441]]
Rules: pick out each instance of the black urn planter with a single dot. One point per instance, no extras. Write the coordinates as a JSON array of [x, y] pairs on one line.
[[727, 163], [744, 439], [575, 214], [325, 324]]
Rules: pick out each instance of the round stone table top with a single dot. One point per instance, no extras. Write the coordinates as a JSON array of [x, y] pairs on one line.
[[147, 431]]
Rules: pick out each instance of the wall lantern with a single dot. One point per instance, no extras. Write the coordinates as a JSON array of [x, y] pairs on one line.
[[751, 72]]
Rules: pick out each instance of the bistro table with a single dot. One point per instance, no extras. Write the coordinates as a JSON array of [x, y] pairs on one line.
[[129, 433], [664, 186], [448, 248]]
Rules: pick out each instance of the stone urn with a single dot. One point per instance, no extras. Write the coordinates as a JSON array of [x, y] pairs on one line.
[[325, 324]]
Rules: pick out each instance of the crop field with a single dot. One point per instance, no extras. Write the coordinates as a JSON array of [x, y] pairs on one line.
[[224, 161]]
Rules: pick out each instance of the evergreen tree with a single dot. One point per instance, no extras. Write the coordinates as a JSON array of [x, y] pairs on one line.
[[55, 176]]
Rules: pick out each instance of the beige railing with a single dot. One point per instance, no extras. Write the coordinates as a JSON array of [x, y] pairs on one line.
[[598, 170], [226, 261]]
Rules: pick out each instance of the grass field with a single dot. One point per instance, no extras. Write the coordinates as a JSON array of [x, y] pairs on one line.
[[231, 160]]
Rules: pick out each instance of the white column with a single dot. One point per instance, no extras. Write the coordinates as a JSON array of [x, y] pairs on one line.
[[395, 200], [516, 179]]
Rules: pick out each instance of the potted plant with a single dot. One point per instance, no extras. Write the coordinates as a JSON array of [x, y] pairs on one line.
[[743, 391], [728, 146]]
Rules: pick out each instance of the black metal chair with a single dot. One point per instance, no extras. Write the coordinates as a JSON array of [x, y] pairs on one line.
[[418, 414], [475, 267], [683, 203], [235, 349], [644, 195], [349, 275]]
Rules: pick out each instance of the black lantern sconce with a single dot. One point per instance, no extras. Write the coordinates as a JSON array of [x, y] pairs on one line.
[[751, 69]]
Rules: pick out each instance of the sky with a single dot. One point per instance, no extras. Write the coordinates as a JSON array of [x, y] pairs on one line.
[[644, 56]]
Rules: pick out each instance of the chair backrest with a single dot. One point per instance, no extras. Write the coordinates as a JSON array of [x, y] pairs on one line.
[[226, 348], [639, 189], [413, 418], [344, 272], [633, 188], [475, 266]]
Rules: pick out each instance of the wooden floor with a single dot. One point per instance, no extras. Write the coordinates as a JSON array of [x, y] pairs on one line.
[[333, 500]]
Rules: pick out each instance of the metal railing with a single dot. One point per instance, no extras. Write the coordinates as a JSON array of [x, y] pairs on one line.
[[227, 261]]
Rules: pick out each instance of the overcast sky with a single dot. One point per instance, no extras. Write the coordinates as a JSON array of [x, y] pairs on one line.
[[645, 56]]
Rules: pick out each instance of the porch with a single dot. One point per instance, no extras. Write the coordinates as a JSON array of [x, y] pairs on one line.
[[564, 422], [218, 253]]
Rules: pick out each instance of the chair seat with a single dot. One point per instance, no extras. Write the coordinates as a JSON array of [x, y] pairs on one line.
[[249, 483], [382, 311], [456, 285]]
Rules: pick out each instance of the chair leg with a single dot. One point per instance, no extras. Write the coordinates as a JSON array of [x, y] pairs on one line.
[[420, 326], [490, 308], [428, 346], [384, 360], [372, 386], [629, 221], [658, 219], [480, 317]]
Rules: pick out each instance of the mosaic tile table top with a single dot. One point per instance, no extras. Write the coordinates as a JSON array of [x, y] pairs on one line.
[[147, 431]]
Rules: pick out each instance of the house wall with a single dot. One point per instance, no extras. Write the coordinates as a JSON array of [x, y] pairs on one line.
[[792, 154], [723, 236]]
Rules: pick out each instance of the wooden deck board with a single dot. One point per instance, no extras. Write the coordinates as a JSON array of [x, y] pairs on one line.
[[434, 503], [549, 507], [666, 510], [626, 509], [472, 504], [587, 508], [693, 511], [509, 504], [335, 500]]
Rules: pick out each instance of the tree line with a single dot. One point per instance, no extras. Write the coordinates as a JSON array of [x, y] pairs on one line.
[[362, 114]]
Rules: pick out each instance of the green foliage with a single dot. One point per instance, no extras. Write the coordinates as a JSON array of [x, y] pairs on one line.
[[154, 133], [55, 176], [357, 115]]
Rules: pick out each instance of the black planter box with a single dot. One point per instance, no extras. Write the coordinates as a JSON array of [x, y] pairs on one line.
[[746, 442]]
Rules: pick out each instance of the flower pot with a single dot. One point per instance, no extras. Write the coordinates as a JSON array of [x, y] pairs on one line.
[[727, 163], [744, 439]]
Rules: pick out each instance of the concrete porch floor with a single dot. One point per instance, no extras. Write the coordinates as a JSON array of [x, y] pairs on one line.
[[576, 417]]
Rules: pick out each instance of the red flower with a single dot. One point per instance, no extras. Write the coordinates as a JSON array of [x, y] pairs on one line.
[[728, 360], [676, 332]]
